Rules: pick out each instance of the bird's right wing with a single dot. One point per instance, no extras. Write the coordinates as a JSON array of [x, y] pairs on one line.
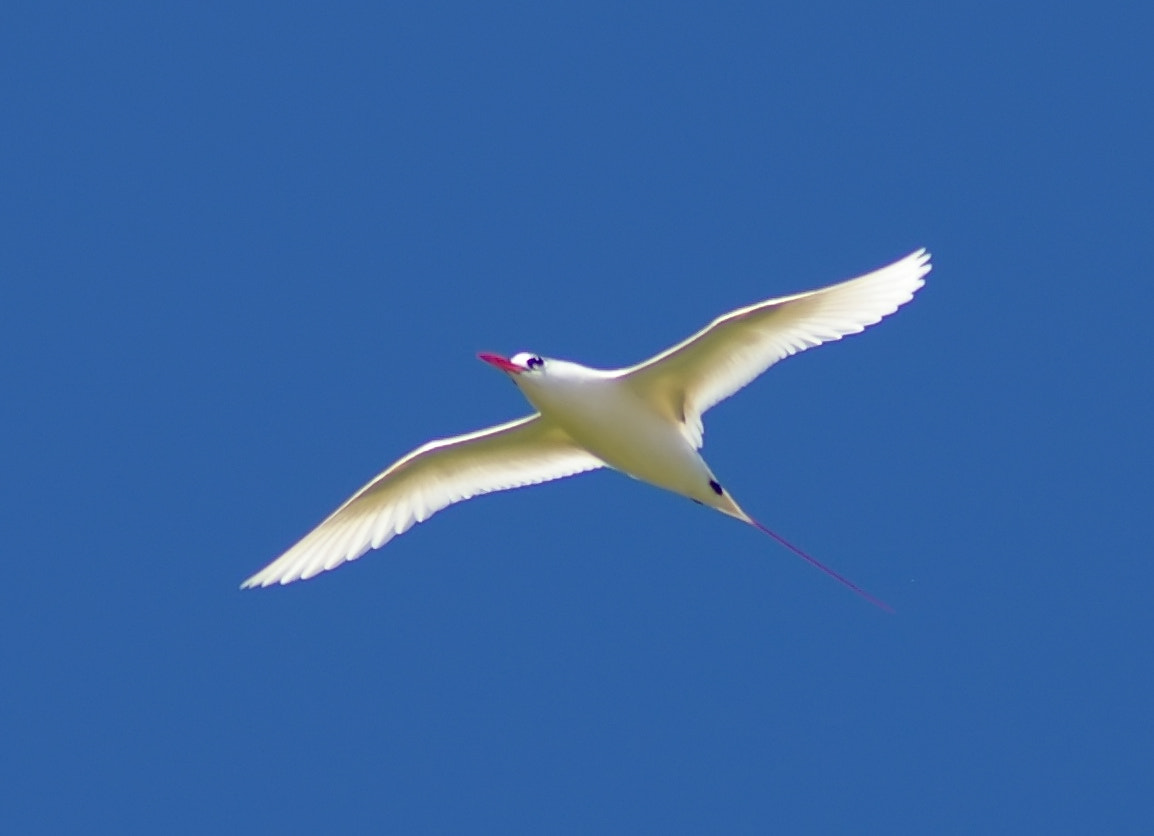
[[687, 379], [434, 476]]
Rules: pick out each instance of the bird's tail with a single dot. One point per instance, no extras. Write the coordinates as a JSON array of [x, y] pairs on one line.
[[744, 517]]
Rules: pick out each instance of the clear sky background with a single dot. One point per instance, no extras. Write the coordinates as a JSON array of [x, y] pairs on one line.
[[248, 253]]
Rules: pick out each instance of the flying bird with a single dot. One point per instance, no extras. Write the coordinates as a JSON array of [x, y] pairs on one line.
[[644, 421]]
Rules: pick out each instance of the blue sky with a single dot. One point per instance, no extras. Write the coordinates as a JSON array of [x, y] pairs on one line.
[[248, 255]]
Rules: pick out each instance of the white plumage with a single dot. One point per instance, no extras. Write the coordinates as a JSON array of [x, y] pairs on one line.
[[644, 420]]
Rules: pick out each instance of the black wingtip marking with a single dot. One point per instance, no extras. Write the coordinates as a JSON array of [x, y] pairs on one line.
[[716, 487]]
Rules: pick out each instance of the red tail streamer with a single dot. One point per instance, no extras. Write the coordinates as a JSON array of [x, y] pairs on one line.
[[846, 581]]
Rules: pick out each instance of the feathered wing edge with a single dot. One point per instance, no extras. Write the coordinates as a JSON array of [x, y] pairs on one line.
[[734, 349], [527, 451]]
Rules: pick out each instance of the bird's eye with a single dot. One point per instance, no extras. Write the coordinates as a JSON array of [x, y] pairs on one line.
[[535, 362]]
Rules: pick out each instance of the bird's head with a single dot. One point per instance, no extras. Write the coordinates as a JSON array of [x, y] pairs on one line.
[[530, 365], [543, 377]]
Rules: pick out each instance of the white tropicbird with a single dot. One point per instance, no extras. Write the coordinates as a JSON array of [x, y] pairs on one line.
[[644, 421]]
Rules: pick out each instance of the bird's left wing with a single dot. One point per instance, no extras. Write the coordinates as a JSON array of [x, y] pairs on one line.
[[687, 379], [434, 476]]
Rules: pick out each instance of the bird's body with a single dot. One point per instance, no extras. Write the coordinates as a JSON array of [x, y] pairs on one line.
[[604, 413], [644, 421]]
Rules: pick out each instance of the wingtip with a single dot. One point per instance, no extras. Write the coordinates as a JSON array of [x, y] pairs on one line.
[[914, 268], [922, 258], [262, 580]]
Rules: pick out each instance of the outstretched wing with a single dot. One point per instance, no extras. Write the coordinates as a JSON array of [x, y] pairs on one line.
[[434, 476], [717, 361]]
